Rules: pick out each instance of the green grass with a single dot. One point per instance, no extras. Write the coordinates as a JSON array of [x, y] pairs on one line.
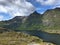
[[17, 38]]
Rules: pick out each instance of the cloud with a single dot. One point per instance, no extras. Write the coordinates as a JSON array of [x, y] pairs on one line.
[[43, 5], [49, 2], [16, 7], [26, 7], [2, 9]]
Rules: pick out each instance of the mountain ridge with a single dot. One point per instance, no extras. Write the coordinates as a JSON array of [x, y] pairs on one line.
[[34, 21]]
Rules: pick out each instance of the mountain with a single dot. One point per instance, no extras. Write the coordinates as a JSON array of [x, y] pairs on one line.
[[24, 22], [49, 20]]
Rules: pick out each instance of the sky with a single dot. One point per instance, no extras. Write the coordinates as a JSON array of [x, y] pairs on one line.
[[11, 8]]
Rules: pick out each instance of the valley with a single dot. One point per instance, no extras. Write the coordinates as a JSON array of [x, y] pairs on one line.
[[38, 28]]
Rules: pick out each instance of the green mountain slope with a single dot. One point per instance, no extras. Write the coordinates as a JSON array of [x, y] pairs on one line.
[[31, 22], [49, 20], [19, 38]]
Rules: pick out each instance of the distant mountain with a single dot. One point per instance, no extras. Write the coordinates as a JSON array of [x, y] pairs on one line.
[[49, 20]]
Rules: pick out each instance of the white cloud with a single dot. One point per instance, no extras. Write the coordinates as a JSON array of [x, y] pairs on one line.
[[16, 7], [49, 2], [46, 2], [24, 8], [2, 9]]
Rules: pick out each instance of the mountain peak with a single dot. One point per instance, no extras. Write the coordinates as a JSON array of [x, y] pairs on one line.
[[34, 14], [19, 18]]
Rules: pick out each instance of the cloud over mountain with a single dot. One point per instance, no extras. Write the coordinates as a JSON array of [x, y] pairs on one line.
[[16, 7], [26, 7]]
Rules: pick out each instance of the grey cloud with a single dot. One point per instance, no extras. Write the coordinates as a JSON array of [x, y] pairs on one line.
[[17, 7]]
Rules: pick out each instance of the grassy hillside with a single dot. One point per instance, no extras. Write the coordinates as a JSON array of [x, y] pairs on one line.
[[50, 20], [19, 38]]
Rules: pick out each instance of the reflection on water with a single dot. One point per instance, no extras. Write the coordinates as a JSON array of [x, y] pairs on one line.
[[48, 37]]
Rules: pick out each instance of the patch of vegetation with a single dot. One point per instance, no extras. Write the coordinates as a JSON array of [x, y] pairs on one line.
[[17, 38]]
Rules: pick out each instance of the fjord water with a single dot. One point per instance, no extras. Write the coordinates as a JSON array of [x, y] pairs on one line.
[[47, 37]]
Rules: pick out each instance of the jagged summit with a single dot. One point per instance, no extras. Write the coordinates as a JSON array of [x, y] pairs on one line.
[[23, 18]]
